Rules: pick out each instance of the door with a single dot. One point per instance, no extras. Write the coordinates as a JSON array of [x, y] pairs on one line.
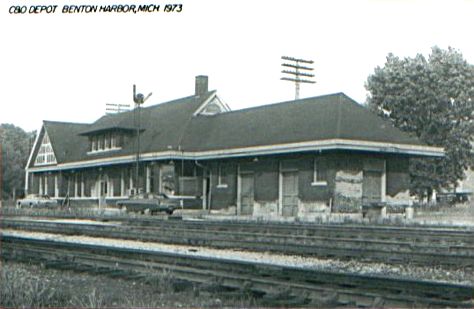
[[290, 194], [372, 187], [246, 193]]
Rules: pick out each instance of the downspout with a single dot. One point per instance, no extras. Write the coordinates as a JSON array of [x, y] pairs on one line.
[[210, 193]]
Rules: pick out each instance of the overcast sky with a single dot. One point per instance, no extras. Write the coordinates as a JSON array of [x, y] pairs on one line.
[[66, 67]]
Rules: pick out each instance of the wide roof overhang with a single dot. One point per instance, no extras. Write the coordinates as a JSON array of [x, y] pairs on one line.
[[311, 146]]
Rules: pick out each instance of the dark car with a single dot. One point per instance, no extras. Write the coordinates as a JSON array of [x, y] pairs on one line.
[[37, 200], [154, 203]]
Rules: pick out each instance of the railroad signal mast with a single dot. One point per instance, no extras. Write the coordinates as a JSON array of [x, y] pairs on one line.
[[139, 99], [298, 73]]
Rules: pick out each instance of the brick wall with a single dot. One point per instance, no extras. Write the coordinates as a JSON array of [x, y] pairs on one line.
[[398, 180], [225, 195]]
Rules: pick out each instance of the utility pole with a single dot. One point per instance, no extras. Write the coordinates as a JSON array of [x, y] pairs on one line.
[[1, 174], [112, 108], [139, 99], [296, 74]]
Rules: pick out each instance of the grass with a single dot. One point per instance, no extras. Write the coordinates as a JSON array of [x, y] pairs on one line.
[[34, 286], [19, 289]]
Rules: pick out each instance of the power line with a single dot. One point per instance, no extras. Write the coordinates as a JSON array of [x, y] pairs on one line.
[[298, 72]]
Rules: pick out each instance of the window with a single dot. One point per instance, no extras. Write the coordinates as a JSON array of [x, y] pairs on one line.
[[93, 140], [105, 142], [319, 173], [113, 140], [101, 142], [222, 176], [107, 138], [45, 152]]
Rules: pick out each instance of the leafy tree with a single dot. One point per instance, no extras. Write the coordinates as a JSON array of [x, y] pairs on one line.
[[16, 145], [432, 99]]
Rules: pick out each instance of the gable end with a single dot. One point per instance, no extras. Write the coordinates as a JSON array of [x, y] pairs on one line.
[[45, 154], [212, 106]]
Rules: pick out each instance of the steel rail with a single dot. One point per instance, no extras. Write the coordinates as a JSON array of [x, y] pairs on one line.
[[460, 235], [297, 283], [366, 249]]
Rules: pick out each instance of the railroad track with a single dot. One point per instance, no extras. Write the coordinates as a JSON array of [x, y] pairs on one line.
[[280, 285], [273, 238], [415, 234], [453, 235]]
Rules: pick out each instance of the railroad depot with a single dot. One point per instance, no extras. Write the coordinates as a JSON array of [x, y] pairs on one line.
[[298, 158]]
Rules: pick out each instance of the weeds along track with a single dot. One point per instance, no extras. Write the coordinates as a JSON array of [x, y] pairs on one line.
[[426, 247], [280, 284]]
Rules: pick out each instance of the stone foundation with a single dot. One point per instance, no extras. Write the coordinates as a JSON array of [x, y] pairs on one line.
[[231, 210], [265, 209], [311, 210]]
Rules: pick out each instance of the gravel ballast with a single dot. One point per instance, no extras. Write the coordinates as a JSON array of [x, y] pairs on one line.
[[407, 271]]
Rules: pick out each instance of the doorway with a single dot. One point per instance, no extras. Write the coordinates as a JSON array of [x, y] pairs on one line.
[[372, 187], [247, 184], [289, 194]]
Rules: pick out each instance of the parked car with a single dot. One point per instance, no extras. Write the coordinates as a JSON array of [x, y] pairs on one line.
[[37, 200], [154, 203]]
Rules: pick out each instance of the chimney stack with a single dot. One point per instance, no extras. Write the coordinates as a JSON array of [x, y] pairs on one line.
[[201, 84]]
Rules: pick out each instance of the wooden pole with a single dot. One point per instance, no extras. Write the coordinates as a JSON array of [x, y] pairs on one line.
[[1, 174]]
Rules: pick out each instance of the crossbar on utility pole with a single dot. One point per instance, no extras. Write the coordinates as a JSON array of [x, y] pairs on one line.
[[112, 108], [299, 71]]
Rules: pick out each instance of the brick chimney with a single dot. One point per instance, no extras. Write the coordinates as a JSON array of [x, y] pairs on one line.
[[201, 84]]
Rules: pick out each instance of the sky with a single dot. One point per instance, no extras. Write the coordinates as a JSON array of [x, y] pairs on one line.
[[66, 67]]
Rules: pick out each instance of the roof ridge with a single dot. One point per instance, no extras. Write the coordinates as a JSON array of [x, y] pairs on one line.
[[147, 107], [65, 122], [282, 103], [179, 99]]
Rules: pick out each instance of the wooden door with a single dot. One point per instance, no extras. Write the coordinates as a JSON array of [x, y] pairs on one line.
[[290, 194], [247, 193], [372, 187]]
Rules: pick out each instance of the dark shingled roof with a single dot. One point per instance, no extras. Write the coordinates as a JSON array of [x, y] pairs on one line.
[[333, 116], [172, 126], [162, 124], [67, 144]]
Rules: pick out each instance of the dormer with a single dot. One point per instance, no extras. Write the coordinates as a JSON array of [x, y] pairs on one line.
[[213, 105], [105, 141]]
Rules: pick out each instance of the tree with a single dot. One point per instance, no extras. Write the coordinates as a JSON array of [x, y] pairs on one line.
[[16, 145], [432, 99]]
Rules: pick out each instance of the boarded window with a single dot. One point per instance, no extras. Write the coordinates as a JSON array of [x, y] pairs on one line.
[[222, 175], [319, 171]]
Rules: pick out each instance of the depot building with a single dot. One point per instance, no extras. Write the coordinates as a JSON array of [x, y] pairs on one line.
[[298, 158]]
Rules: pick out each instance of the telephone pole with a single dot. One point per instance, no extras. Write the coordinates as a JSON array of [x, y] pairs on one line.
[[1, 175], [298, 71]]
